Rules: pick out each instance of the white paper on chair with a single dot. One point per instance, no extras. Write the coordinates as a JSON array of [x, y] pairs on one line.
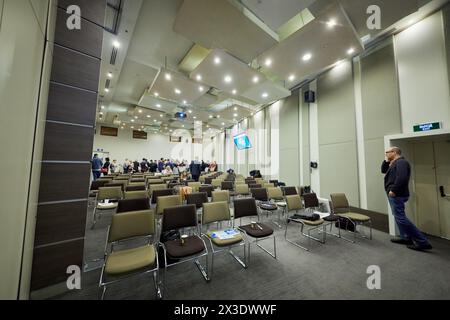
[[225, 234]]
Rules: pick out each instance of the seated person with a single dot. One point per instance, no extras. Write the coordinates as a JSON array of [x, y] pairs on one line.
[[167, 171]]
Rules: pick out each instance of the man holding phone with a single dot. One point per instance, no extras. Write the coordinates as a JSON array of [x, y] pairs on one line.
[[397, 174]]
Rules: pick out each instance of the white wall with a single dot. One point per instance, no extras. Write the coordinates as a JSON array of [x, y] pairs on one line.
[[155, 147], [422, 71]]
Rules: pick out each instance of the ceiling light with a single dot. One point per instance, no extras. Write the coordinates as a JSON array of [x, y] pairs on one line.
[[235, 108], [135, 117], [122, 128], [102, 107], [149, 116], [170, 130], [208, 127], [106, 90], [190, 111], [161, 115], [228, 79], [101, 113], [184, 102], [132, 120], [210, 116], [132, 127], [198, 77], [195, 117], [177, 91], [158, 105], [116, 44], [252, 114], [154, 120], [265, 95], [156, 94], [291, 77], [255, 79], [182, 126], [201, 89], [332, 23], [218, 116], [234, 92], [223, 123], [307, 57], [268, 62], [351, 51], [168, 76], [235, 115], [110, 75], [217, 60], [140, 111]]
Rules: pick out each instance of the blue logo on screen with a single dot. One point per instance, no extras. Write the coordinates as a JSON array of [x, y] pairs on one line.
[[242, 142]]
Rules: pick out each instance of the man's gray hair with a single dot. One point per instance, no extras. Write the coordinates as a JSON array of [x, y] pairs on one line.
[[397, 150]]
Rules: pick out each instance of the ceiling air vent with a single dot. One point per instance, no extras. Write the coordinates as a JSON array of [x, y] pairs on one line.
[[108, 83], [114, 53]]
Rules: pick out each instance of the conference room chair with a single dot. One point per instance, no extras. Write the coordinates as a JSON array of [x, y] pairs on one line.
[[167, 202], [219, 213], [93, 190], [207, 189], [136, 194], [275, 194], [155, 181], [153, 187], [161, 193], [140, 259], [227, 185], [127, 205], [222, 195], [104, 195], [341, 208], [289, 191], [123, 181], [172, 185], [275, 182], [125, 178], [190, 247], [294, 205], [259, 194], [216, 183], [242, 190], [197, 198], [208, 180], [107, 179], [110, 185], [134, 180], [254, 232], [135, 187], [194, 186], [269, 185]]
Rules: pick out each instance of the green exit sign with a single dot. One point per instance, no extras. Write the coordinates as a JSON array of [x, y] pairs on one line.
[[427, 127]]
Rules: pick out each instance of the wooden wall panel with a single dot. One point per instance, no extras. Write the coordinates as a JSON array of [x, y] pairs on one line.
[[92, 10]]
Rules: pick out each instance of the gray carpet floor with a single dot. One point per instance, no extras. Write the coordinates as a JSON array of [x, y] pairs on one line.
[[335, 270]]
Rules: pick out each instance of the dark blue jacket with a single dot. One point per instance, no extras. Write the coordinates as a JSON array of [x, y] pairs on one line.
[[397, 177], [97, 164]]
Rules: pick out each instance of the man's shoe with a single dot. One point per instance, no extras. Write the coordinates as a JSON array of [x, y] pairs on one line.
[[402, 241], [420, 248]]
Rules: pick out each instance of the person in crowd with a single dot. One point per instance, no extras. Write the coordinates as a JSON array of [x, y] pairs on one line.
[[175, 169], [96, 164], [184, 176], [113, 166], [203, 166], [125, 166], [195, 169], [136, 166], [161, 165], [105, 167], [213, 167], [152, 167], [144, 165], [167, 171], [397, 172]]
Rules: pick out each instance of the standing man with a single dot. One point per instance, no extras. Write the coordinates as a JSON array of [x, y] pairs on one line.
[[97, 165], [396, 180], [195, 168]]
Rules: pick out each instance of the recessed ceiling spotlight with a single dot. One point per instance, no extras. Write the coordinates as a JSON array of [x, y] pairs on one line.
[[132, 127], [182, 126], [307, 57], [149, 116], [234, 92], [217, 60], [198, 77], [106, 90], [101, 113], [235, 108], [102, 107], [168, 76], [177, 91], [195, 117], [201, 89], [291, 77], [184, 102], [332, 23], [161, 115], [252, 114], [223, 123], [135, 117], [156, 94], [110, 75], [154, 120], [255, 79], [265, 95], [268, 62], [158, 105], [116, 44], [235, 115], [170, 130], [132, 120], [210, 116], [350, 51], [228, 79], [218, 116], [140, 111]]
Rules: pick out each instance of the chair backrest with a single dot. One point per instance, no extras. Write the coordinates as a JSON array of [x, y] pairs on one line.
[[132, 205], [110, 185], [311, 200], [136, 194], [97, 184], [217, 183], [275, 182], [207, 189], [167, 202], [215, 212], [161, 193], [197, 198], [208, 180], [227, 185], [223, 195], [178, 217], [135, 188], [294, 202], [339, 202], [132, 224], [242, 189], [245, 208], [154, 187], [155, 181], [109, 193], [289, 191], [194, 186], [275, 193], [134, 180], [259, 194], [254, 186], [268, 185]]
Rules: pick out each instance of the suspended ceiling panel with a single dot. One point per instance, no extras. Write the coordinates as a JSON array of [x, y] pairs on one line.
[[220, 24], [205, 101], [214, 72], [266, 92], [175, 87], [150, 101], [235, 112], [275, 14], [326, 45]]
